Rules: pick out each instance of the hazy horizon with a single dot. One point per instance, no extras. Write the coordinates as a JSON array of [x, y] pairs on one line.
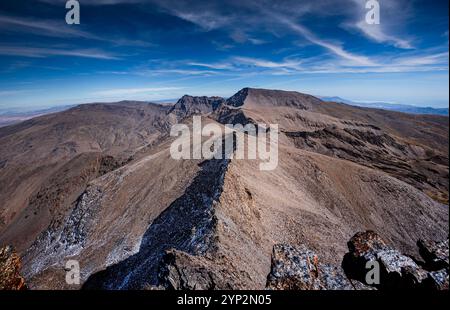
[[37, 108]]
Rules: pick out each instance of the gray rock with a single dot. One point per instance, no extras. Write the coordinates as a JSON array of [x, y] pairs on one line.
[[190, 105], [438, 280], [397, 271], [180, 271], [434, 253], [298, 268], [392, 261]]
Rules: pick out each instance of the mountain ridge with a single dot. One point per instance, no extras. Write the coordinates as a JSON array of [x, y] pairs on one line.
[[391, 106]]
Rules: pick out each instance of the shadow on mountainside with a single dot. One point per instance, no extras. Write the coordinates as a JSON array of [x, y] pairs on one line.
[[188, 225]]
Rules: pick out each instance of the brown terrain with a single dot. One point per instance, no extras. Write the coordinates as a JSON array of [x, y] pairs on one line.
[[96, 183]]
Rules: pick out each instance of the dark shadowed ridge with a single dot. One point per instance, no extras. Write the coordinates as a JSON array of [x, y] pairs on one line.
[[191, 105]]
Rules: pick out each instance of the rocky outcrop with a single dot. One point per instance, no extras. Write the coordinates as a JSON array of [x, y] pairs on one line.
[[434, 253], [396, 270], [181, 271], [10, 264], [438, 280], [298, 268], [190, 105], [238, 99], [370, 264]]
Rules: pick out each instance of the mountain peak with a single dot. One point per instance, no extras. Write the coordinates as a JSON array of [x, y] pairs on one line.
[[190, 105], [269, 97]]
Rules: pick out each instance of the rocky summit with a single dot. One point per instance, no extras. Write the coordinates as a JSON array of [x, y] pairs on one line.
[[354, 187]]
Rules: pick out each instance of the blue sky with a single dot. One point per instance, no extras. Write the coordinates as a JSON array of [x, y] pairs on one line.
[[162, 49]]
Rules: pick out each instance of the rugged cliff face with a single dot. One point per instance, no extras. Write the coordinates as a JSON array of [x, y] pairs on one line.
[[189, 105], [101, 187]]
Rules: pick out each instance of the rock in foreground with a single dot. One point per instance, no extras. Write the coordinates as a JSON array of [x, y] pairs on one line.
[[396, 270], [435, 254], [370, 264], [298, 268], [10, 278]]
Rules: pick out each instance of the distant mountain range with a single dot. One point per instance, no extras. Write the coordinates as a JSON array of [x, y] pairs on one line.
[[390, 106], [11, 117], [16, 116]]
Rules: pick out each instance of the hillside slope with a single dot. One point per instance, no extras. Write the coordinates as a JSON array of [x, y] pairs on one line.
[[46, 162]]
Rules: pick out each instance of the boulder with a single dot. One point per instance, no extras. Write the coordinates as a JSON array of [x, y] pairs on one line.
[[298, 268], [179, 270], [438, 280], [434, 253], [399, 271], [363, 247], [396, 270]]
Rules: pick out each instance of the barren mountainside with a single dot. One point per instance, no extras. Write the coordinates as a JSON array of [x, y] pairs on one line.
[[96, 183]]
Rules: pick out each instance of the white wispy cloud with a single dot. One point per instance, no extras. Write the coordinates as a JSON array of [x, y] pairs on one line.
[[204, 20], [176, 68], [216, 66], [423, 60], [417, 62], [173, 71], [210, 18], [59, 29], [393, 15], [41, 27], [13, 92], [336, 49], [38, 52], [240, 36], [238, 66], [377, 34], [262, 63], [133, 91], [210, 15]]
